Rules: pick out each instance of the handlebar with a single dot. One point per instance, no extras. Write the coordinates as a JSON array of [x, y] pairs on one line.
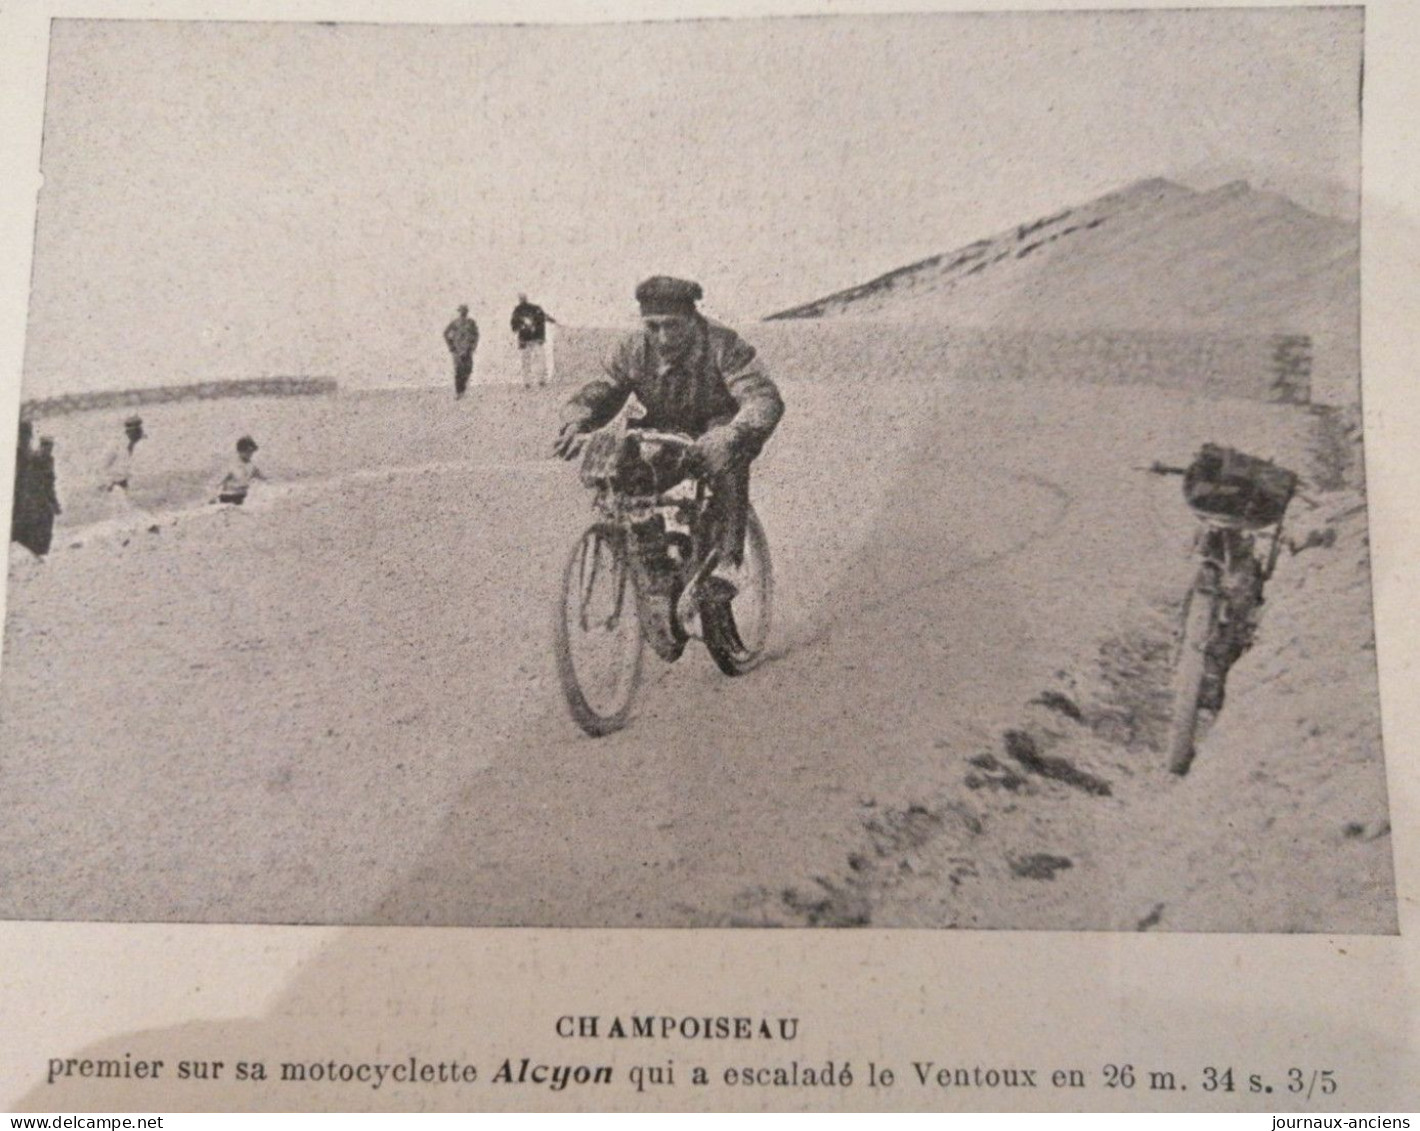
[[669, 439], [1157, 468], [571, 447]]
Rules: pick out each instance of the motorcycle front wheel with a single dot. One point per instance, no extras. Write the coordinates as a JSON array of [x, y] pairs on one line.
[[597, 632], [1200, 619]]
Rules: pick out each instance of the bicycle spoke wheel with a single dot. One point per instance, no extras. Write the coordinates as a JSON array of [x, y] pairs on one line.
[[1200, 618], [597, 633], [736, 632]]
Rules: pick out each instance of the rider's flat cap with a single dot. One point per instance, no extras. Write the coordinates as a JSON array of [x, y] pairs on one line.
[[661, 294], [133, 422], [246, 444]]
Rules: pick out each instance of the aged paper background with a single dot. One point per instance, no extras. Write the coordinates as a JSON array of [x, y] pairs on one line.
[[1257, 1004]]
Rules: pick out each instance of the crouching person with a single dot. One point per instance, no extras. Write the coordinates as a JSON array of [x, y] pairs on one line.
[[241, 473]]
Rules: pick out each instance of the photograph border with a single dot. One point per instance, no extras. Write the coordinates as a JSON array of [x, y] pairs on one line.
[[1258, 1004]]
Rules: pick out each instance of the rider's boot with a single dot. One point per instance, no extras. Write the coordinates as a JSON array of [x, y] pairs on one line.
[[717, 589]]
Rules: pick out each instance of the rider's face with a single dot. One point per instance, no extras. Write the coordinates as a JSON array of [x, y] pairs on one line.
[[670, 334]]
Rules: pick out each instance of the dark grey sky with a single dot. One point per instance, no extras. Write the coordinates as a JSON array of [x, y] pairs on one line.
[[237, 199]]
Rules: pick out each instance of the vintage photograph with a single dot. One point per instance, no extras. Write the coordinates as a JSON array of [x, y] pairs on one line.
[[901, 471]]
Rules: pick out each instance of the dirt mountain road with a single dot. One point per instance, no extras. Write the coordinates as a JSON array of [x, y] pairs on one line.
[[944, 555]]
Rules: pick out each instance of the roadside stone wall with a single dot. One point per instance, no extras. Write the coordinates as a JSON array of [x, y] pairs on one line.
[[1265, 367], [167, 394]]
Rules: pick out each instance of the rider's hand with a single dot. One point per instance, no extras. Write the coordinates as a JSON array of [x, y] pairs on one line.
[[566, 443], [716, 450]]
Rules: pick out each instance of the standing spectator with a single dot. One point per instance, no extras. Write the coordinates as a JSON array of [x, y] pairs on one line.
[[22, 512], [461, 336], [44, 497], [118, 462], [240, 474], [529, 323]]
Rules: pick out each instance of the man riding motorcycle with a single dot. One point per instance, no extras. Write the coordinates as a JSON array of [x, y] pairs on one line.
[[691, 375], [694, 376]]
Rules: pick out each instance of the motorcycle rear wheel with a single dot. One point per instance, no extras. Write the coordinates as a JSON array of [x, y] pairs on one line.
[[737, 631]]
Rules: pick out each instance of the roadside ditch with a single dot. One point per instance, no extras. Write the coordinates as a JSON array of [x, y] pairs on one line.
[[1063, 823]]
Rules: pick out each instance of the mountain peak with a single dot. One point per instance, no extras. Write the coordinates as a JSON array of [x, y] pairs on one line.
[[1153, 254]]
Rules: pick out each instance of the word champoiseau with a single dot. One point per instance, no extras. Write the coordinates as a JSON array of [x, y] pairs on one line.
[[686, 1028]]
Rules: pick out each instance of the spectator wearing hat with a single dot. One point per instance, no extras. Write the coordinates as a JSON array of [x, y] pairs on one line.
[[695, 376], [240, 474], [118, 462], [43, 497], [529, 324], [22, 512], [461, 336]]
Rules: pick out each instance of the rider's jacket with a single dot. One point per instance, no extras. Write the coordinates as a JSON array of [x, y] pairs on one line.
[[718, 381]]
